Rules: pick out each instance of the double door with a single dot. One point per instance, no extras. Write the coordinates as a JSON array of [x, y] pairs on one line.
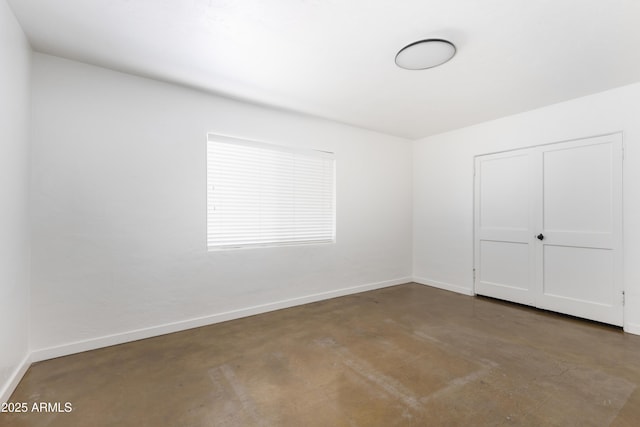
[[548, 227]]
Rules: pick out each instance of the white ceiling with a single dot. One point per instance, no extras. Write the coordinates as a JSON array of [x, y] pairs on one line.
[[335, 58]]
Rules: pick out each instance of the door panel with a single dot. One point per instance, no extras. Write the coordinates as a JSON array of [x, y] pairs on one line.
[[580, 256], [505, 202], [578, 188], [577, 274], [573, 284], [504, 260], [505, 264]]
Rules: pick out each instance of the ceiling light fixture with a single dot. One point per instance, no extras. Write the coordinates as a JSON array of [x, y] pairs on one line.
[[425, 54]]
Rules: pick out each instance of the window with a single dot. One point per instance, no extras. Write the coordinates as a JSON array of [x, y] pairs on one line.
[[263, 194]]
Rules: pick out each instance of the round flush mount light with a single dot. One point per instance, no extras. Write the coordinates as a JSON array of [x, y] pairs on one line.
[[425, 54]]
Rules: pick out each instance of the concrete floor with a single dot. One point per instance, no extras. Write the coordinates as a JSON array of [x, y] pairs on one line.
[[406, 355]]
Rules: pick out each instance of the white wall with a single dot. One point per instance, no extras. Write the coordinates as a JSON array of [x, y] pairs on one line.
[[119, 210], [443, 183], [15, 57]]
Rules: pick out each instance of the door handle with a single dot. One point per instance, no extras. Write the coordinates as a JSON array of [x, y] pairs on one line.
[[540, 236]]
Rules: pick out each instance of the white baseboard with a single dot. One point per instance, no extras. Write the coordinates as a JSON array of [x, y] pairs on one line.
[[138, 334], [632, 328], [14, 379], [446, 286]]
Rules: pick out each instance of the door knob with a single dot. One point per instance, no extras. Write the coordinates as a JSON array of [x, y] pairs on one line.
[[540, 236]]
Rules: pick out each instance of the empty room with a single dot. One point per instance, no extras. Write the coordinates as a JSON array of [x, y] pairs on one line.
[[319, 213]]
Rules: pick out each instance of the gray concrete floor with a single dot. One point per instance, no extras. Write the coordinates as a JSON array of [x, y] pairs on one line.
[[406, 355]]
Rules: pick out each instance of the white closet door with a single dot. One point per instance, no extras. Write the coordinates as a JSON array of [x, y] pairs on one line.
[[504, 262], [580, 256], [548, 227]]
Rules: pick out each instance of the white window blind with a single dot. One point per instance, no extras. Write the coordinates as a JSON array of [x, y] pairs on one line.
[[264, 194]]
